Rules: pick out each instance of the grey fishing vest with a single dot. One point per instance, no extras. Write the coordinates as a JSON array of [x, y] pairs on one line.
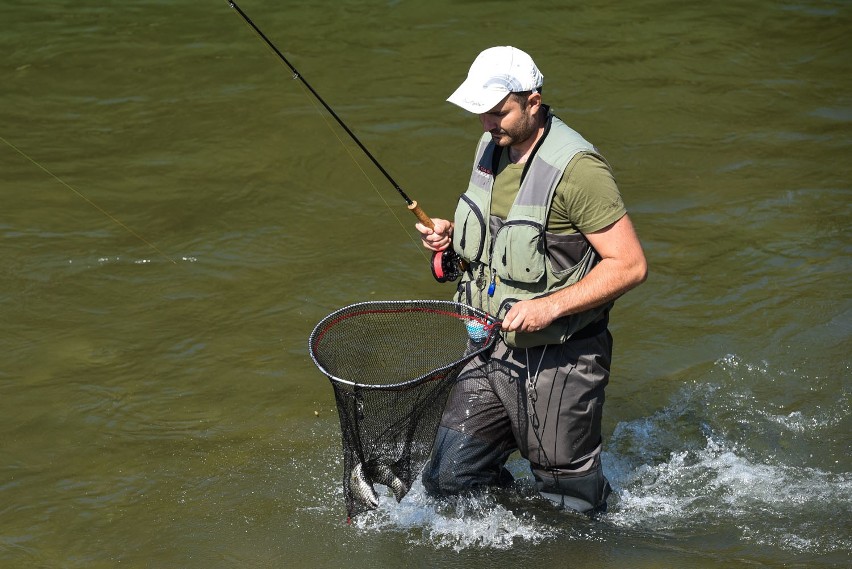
[[516, 258]]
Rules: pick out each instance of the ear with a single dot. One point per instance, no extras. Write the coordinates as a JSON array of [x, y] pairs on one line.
[[534, 102]]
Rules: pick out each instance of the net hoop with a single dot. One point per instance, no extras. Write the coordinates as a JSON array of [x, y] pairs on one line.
[[441, 307]]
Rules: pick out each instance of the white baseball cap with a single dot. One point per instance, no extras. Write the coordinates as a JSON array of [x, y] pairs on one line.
[[495, 73]]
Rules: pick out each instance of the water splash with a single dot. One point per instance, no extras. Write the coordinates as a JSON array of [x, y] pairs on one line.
[[719, 456], [462, 523], [730, 452]]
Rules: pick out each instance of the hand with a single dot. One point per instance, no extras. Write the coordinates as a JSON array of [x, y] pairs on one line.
[[530, 315], [437, 238]]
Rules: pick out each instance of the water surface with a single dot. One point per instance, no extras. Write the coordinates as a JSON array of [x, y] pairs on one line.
[[184, 215]]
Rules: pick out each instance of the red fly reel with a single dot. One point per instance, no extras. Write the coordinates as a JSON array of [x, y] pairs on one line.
[[446, 265]]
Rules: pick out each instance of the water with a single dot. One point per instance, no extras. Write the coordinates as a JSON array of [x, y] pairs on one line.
[[158, 404]]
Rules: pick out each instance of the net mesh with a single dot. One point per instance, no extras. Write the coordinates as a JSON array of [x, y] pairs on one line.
[[392, 364]]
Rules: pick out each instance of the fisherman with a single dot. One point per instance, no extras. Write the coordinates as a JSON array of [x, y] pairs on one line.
[[548, 247]]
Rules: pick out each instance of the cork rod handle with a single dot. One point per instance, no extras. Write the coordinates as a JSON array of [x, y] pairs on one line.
[[421, 215]]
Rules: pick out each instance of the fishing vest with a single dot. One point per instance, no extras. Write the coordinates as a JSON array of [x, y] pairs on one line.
[[516, 258]]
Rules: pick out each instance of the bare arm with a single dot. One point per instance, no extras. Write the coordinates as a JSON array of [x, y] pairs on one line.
[[621, 268]]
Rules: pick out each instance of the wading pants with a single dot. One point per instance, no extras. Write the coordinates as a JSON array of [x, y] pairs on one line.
[[545, 402]]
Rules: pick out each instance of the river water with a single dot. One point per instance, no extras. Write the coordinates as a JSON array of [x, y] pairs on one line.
[[177, 214]]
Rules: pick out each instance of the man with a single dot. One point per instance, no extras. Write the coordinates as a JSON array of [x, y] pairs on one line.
[[548, 247]]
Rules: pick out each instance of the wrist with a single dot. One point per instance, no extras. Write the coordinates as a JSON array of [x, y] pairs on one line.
[[555, 306]]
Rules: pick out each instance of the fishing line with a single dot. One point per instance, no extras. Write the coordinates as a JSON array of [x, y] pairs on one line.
[[90, 202], [364, 172], [412, 205]]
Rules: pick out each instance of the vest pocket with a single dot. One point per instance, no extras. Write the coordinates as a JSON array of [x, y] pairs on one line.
[[469, 230], [518, 253], [566, 252]]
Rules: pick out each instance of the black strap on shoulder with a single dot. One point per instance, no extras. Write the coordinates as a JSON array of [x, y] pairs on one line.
[[539, 143]]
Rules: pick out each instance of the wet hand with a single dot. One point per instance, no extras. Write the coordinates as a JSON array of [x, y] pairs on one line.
[[439, 237], [530, 316]]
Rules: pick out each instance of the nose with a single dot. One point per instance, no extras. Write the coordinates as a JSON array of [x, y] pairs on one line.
[[488, 123]]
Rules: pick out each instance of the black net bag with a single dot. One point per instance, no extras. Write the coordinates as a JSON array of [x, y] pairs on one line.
[[392, 364]]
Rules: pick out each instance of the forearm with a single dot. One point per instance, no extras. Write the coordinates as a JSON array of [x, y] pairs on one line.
[[608, 280], [622, 267]]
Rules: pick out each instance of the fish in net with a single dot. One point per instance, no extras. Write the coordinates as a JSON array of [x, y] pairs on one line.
[[392, 364]]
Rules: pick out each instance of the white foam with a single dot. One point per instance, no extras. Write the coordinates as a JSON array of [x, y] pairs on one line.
[[799, 422], [668, 478], [478, 522], [711, 461]]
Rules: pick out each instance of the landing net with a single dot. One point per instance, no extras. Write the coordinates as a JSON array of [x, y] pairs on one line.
[[392, 364]]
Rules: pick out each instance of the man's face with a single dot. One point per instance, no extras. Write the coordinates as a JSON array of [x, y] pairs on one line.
[[509, 122]]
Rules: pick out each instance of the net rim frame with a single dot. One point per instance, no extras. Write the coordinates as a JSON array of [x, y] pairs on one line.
[[486, 319]]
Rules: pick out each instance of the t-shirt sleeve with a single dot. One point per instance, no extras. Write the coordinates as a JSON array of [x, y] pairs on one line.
[[587, 197]]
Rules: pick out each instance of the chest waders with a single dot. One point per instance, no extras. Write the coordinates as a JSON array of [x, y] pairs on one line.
[[517, 259], [552, 412]]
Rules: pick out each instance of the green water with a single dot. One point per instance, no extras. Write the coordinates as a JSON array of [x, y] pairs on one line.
[[186, 215]]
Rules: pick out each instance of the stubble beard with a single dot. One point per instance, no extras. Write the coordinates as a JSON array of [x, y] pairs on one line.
[[518, 134]]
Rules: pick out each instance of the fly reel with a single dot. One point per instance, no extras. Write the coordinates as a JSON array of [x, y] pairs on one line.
[[446, 265]]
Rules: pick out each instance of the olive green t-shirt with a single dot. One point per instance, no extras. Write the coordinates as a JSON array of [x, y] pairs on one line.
[[587, 198]]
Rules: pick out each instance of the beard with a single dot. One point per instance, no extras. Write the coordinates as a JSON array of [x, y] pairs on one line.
[[517, 133]]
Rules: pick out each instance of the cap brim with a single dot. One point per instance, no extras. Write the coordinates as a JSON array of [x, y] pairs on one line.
[[472, 97]]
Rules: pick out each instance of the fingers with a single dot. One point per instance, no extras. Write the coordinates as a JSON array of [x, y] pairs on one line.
[[440, 226], [513, 321], [437, 238], [528, 316]]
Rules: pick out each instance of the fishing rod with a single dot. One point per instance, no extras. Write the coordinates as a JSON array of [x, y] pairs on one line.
[[445, 264]]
